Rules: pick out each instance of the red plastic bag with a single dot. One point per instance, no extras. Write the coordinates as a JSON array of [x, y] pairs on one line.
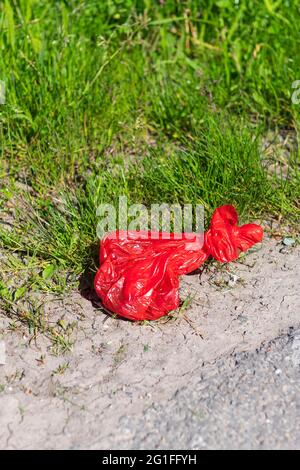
[[139, 272]]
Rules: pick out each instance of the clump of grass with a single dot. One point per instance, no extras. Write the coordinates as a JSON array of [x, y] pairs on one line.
[[220, 164]]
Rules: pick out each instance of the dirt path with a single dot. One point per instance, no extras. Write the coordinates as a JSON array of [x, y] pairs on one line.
[[163, 385]]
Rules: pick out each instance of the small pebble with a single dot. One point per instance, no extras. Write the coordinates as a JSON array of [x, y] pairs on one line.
[[287, 241]]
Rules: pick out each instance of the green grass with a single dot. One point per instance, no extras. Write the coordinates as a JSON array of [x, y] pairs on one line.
[[159, 101]]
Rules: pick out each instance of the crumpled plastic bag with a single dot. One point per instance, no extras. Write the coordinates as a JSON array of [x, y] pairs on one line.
[[139, 271]]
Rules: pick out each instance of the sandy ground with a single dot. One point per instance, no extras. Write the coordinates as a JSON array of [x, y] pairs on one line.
[[224, 374]]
